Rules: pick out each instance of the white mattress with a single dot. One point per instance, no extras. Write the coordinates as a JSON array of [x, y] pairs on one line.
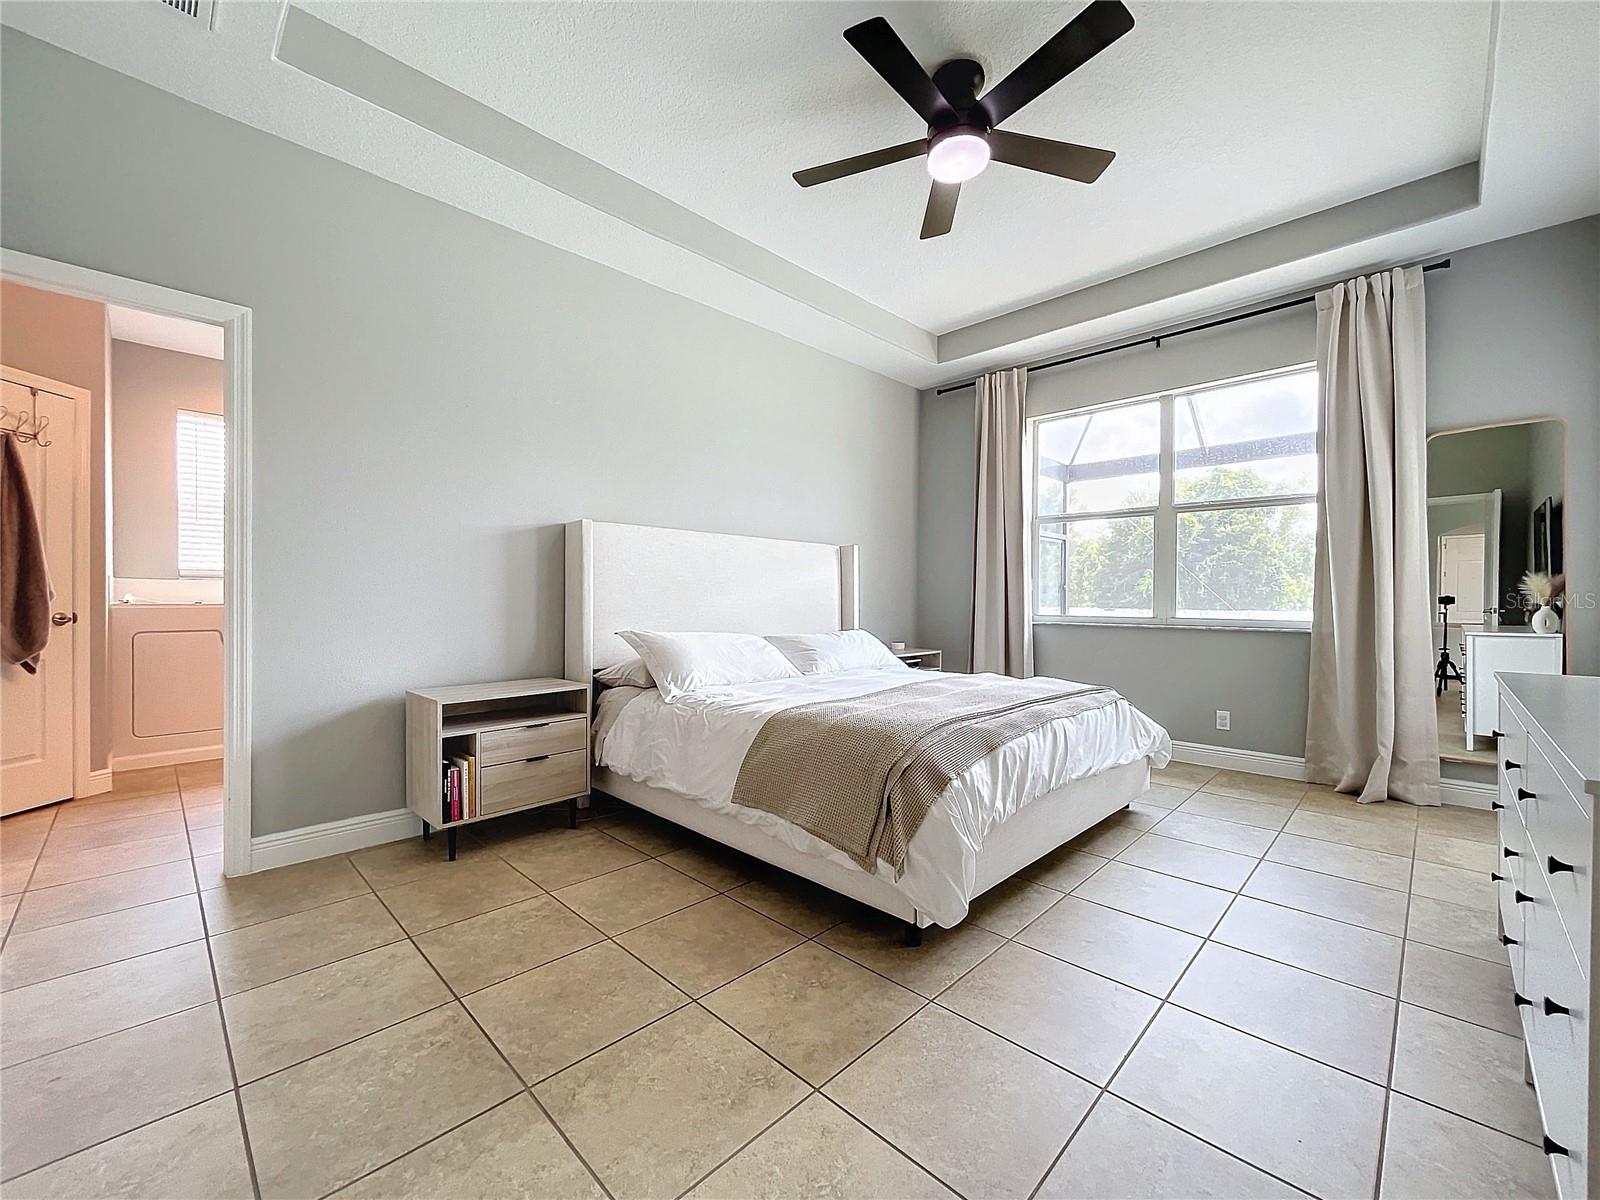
[[695, 747]]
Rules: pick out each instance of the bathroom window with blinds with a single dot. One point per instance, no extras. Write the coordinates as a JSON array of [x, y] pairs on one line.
[[202, 479]]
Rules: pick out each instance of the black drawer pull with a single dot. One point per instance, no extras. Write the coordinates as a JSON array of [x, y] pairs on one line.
[[1556, 866], [1511, 766], [1507, 940], [1551, 1147], [1496, 805], [1497, 877], [1551, 1008], [1497, 734], [540, 758], [1525, 794], [1520, 1000], [1522, 897], [1508, 852]]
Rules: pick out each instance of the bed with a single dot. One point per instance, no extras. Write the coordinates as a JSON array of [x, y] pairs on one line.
[[680, 760]]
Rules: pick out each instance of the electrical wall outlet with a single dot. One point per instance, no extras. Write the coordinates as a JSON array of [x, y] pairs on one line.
[[1224, 719]]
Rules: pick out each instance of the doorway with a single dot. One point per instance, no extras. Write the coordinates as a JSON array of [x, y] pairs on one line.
[[216, 536]]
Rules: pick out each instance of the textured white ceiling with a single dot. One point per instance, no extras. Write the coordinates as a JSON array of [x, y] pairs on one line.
[[1226, 117]]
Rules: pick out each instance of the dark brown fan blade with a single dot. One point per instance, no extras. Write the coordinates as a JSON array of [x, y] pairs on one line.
[[1083, 163], [878, 43], [1088, 33], [941, 212], [828, 172]]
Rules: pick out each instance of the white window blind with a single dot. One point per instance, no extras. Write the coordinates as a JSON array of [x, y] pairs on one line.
[[202, 480]]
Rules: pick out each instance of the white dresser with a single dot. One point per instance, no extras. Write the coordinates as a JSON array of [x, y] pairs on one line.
[[1548, 739], [1495, 650]]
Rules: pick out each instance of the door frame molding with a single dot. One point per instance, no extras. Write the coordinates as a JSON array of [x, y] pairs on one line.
[[82, 401], [235, 321]]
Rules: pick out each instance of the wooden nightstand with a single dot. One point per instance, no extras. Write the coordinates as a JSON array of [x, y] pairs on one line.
[[514, 746], [921, 658]]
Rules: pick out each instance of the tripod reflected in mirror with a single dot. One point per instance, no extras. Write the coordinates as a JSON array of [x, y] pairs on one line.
[[1447, 669]]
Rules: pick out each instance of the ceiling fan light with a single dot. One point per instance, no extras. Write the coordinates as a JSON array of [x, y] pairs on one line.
[[958, 156]]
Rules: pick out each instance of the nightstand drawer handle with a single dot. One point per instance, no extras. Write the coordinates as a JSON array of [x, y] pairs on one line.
[[538, 758], [1551, 1008], [1551, 1147], [1556, 866]]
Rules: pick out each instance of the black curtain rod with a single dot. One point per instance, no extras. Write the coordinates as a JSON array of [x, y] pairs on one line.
[[1158, 338]]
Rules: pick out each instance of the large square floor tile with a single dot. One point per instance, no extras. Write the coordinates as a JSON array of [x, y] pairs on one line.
[[71, 866], [196, 1152], [1065, 868], [485, 949], [1429, 1153], [813, 1010], [1074, 1018], [548, 1018], [1329, 896], [1129, 949], [1468, 854], [1340, 951], [705, 945], [625, 899], [1314, 1126], [1126, 1153], [1008, 907], [658, 1110], [1344, 1026], [1265, 788], [1460, 986], [716, 866], [1231, 808], [286, 1022], [798, 903], [1189, 860], [409, 859], [819, 1150], [945, 955], [1191, 907], [474, 887], [1386, 837], [983, 1115], [1465, 930], [1219, 834], [109, 893], [1465, 1069], [512, 1150], [41, 954], [1471, 824], [1472, 889], [74, 1098], [268, 894], [330, 1120], [271, 950], [1347, 862], [67, 838], [559, 857]]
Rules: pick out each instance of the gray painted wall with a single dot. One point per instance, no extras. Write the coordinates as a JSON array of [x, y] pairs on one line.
[[1513, 331], [434, 395]]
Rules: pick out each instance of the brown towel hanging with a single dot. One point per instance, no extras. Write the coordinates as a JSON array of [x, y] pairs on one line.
[[25, 591]]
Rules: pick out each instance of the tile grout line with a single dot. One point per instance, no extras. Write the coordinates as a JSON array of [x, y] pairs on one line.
[[33, 867], [1394, 1054]]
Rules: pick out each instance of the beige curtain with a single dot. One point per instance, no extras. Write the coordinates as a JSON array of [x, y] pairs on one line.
[[1002, 625], [1371, 726]]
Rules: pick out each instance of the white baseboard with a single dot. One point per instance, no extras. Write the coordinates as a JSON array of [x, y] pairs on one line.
[[1460, 792], [98, 782], [333, 837], [164, 758]]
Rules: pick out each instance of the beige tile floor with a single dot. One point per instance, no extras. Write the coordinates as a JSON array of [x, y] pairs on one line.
[[1239, 987]]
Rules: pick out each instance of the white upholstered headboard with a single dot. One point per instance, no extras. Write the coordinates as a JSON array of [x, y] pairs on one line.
[[683, 580]]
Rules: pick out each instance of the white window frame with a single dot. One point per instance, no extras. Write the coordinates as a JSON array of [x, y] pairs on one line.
[[201, 418], [1165, 513]]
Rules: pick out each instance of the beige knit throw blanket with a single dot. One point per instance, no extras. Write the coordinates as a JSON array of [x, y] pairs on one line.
[[861, 774]]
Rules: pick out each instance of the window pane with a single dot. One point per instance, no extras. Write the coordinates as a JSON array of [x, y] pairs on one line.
[[1247, 563], [1257, 438], [1099, 461], [1097, 568]]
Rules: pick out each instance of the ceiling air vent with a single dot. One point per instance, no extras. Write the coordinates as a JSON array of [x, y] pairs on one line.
[[197, 10]]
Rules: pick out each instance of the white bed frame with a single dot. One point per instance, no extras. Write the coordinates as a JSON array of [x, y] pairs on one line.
[[640, 577]]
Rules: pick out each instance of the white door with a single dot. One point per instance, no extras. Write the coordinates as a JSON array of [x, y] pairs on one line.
[[36, 710], [1461, 576]]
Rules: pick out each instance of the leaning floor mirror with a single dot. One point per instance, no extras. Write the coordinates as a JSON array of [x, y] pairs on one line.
[[1495, 558]]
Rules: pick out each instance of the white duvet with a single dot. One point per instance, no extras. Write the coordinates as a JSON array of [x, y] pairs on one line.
[[696, 745]]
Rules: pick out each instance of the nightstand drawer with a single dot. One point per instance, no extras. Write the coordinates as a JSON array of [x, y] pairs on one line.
[[521, 784], [554, 735]]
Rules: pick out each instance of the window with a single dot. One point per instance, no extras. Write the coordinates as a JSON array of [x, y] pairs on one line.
[[202, 476], [1198, 506]]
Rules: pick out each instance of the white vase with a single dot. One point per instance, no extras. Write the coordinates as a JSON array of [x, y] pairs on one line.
[[1546, 621]]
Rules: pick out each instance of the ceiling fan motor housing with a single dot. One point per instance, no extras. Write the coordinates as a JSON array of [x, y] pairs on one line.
[[960, 81]]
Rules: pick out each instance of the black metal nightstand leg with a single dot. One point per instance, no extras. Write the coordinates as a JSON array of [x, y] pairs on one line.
[[572, 813], [427, 831], [450, 839], [913, 935]]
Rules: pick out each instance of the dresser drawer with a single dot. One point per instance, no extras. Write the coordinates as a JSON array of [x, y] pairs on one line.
[[1558, 1045], [539, 781], [1561, 837], [551, 735]]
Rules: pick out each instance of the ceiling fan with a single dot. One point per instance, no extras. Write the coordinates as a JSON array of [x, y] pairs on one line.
[[962, 139]]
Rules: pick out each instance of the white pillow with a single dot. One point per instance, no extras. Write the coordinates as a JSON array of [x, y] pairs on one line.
[[823, 653], [684, 663], [629, 672]]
